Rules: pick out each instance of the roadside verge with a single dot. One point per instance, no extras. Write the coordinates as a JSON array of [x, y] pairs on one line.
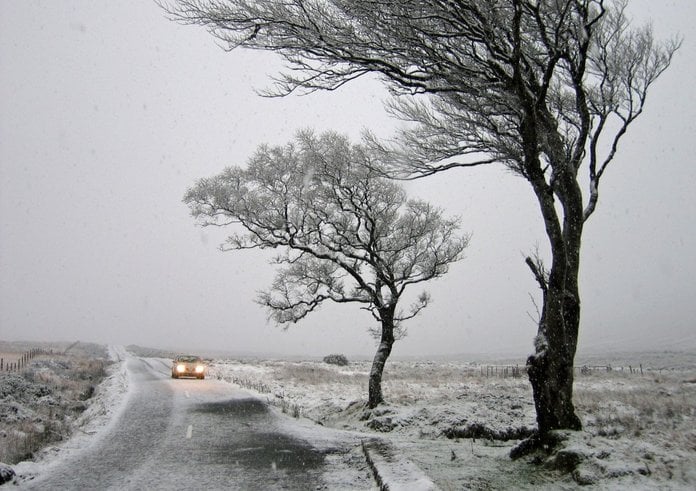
[[394, 473]]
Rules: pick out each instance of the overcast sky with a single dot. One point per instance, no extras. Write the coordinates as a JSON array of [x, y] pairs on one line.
[[109, 111]]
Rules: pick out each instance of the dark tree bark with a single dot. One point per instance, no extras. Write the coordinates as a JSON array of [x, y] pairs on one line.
[[550, 368], [375, 397]]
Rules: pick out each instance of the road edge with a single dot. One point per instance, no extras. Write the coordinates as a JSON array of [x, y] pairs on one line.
[[392, 473]]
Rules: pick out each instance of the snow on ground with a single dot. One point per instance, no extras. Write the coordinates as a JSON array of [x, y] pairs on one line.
[[458, 427], [449, 424], [107, 402]]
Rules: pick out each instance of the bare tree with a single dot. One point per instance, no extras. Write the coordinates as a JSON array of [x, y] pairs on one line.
[[347, 234], [545, 87]]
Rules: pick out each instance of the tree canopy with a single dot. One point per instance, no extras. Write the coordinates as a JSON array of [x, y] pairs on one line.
[[574, 72], [547, 88], [347, 234]]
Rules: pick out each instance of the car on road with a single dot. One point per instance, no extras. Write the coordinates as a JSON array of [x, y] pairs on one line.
[[188, 366]]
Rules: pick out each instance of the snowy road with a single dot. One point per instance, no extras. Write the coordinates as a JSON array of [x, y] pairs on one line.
[[179, 434]]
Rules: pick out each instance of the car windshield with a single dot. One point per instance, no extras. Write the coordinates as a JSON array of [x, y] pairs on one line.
[[188, 359]]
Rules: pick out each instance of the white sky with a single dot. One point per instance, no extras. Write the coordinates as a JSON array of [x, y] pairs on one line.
[[108, 112]]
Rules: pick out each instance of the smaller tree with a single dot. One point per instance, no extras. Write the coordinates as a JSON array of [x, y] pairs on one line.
[[347, 235]]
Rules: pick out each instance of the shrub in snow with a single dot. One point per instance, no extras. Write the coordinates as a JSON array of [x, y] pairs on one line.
[[6, 473], [340, 360], [584, 477], [383, 424], [20, 389], [481, 430]]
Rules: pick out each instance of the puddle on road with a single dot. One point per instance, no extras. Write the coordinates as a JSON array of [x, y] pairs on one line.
[[272, 451], [234, 407], [243, 440]]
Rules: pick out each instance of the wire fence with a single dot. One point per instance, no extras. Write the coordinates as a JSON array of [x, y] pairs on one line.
[[516, 371], [503, 371], [630, 369], [20, 363]]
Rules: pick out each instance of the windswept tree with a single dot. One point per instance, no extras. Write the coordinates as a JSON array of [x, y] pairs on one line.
[[347, 234], [547, 88]]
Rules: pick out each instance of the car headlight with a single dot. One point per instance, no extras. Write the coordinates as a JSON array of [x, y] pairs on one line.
[[181, 368], [199, 368]]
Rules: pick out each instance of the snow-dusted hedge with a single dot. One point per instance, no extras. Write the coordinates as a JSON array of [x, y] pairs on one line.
[[336, 359]]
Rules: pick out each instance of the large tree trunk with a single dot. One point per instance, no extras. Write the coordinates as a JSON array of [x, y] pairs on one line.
[[550, 368], [375, 397]]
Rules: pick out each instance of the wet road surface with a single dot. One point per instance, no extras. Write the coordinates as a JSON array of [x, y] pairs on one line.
[[188, 433]]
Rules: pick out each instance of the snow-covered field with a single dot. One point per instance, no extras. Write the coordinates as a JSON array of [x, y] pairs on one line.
[[458, 425]]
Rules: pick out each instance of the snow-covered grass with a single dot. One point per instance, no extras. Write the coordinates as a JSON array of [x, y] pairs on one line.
[[460, 426], [108, 397], [424, 398], [40, 404], [457, 425]]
